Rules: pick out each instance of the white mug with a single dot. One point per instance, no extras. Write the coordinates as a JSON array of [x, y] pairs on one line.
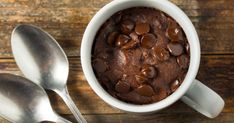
[[192, 92]]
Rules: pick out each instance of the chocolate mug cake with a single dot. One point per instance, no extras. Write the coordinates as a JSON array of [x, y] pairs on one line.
[[140, 55]]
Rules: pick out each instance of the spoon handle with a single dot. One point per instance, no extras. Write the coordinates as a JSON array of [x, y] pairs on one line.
[[71, 105], [62, 120]]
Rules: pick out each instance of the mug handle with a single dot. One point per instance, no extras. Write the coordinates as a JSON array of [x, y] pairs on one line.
[[203, 99]]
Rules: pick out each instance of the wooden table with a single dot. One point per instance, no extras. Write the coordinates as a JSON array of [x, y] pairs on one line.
[[66, 20]]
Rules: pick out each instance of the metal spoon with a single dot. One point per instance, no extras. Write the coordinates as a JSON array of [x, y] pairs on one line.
[[43, 61], [22, 101]]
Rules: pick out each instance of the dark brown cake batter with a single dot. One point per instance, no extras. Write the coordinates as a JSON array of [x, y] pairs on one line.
[[140, 55]]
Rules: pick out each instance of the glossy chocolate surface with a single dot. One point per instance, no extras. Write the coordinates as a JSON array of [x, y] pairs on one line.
[[140, 55]]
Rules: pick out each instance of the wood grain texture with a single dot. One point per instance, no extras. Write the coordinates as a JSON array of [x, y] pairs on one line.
[[66, 20], [158, 118], [220, 77], [152, 118]]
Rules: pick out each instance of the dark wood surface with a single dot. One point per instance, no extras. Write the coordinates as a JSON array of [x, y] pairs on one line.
[[66, 20]]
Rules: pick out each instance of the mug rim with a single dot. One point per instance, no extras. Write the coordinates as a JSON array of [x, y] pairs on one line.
[[111, 8]]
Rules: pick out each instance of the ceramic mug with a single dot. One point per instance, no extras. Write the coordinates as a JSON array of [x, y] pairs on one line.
[[191, 91]]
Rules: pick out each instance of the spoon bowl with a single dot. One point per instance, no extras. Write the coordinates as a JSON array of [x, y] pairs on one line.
[[40, 57], [43, 61], [25, 102]]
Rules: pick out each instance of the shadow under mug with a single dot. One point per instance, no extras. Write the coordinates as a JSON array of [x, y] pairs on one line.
[[192, 92]]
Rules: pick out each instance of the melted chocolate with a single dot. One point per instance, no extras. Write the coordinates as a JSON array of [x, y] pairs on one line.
[[140, 55]]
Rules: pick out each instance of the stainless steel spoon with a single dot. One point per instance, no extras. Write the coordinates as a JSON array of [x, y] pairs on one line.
[[43, 61], [22, 101]]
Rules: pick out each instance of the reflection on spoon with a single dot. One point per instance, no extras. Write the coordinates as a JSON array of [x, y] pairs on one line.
[[22, 101], [43, 61]]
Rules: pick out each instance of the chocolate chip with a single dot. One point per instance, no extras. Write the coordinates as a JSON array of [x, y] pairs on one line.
[[112, 37], [134, 36], [130, 44], [99, 65], [174, 85], [121, 40], [183, 61], [142, 28], [162, 94], [140, 52], [161, 54], [187, 47], [148, 41], [127, 26], [118, 17], [145, 90], [151, 61], [175, 49], [149, 71], [145, 54], [141, 78], [105, 82], [114, 75], [174, 33], [122, 87]]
